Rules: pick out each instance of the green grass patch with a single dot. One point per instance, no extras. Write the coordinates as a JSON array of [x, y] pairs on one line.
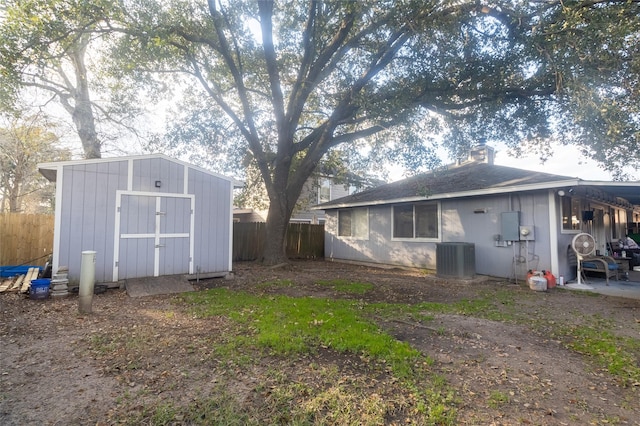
[[497, 398], [275, 284], [619, 355], [346, 286], [496, 306], [285, 325]]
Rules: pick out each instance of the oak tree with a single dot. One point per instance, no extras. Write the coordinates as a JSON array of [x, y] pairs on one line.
[[285, 83], [56, 49]]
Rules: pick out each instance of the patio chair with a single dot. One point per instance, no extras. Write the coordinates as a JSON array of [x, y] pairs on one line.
[[606, 265]]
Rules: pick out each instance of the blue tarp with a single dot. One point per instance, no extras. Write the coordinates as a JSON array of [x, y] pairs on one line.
[[12, 271]]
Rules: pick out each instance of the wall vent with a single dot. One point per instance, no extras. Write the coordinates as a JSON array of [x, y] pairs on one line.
[[456, 260]]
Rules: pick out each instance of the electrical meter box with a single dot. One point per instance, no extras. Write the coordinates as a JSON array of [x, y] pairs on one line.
[[510, 226]]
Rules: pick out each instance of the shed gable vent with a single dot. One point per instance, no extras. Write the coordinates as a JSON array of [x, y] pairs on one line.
[[456, 260]]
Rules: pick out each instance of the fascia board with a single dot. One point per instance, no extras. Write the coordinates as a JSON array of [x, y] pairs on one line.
[[56, 164], [461, 194], [633, 184]]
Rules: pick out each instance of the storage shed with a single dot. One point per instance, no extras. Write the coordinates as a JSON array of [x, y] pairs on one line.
[[144, 216]]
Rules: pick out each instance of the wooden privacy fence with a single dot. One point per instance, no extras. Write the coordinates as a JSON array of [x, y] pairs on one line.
[[25, 238], [28, 239], [304, 240]]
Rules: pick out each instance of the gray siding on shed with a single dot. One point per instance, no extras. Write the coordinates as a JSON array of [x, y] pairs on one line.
[[212, 222], [459, 223], [90, 191], [87, 221], [149, 170]]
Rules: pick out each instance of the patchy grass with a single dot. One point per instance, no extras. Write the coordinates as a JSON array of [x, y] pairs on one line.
[[275, 284], [317, 361], [497, 398], [496, 306], [594, 337], [346, 286], [287, 326], [619, 355]]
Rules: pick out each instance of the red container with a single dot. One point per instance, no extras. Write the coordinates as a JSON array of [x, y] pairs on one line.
[[551, 280]]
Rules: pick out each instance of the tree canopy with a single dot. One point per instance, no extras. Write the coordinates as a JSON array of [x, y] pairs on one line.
[[58, 49], [25, 142], [291, 81], [284, 83]]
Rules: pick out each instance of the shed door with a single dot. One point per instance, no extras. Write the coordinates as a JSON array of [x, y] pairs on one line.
[[155, 236]]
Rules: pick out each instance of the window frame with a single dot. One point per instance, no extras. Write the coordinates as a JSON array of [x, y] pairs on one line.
[[573, 203], [354, 224], [324, 183], [438, 224]]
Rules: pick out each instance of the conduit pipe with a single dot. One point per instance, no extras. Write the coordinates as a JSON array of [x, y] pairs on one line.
[[87, 281]]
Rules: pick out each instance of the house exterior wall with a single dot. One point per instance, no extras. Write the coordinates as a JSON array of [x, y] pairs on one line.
[[459, 223], [113, 207], [309, 197]]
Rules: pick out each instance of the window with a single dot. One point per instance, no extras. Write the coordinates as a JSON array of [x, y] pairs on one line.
[[353, 223], [324, 191], [570, 213], [416, 221]]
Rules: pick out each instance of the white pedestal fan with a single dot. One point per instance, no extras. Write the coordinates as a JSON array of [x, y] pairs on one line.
[[584, 245]]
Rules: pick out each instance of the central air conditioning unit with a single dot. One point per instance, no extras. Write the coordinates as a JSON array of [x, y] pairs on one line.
[[456, 260]]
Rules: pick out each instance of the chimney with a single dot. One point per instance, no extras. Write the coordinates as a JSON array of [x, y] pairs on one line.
[[481, 153]]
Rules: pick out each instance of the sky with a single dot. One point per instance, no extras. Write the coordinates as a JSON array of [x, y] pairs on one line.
[[566, 161]]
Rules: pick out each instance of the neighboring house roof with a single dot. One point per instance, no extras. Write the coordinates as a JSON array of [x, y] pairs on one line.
[[473, 179]]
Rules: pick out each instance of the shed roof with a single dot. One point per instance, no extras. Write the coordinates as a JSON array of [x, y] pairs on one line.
[[474, 179], [50, 170]]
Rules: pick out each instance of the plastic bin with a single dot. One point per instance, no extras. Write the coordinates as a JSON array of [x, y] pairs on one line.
[[39, 289]]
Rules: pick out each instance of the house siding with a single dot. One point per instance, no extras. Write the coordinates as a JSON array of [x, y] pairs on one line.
[[459, 223], [309, 198]]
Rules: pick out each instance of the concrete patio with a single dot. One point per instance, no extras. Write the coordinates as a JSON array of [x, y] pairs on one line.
[[621, 288]]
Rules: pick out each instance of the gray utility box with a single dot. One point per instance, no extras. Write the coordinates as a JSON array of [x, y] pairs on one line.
[[456, 260]]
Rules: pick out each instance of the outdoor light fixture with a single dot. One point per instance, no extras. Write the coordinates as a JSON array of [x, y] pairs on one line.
[[561, 193], [158, 184]]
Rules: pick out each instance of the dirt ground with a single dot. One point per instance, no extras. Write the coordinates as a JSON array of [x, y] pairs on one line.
[[58, 367]]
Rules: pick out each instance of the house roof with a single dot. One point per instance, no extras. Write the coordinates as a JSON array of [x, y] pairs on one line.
[[474, 179], [50, 170]]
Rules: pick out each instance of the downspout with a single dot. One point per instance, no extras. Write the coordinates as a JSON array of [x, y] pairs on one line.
[[553, 234]]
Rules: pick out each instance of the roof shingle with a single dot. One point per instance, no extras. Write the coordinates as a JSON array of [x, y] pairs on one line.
[[449, 180]]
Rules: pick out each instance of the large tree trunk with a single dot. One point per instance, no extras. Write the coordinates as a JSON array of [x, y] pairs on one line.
[[83, 113], [85, 125], [275, 248], [14, 199], [82, 109], [14, 206]]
